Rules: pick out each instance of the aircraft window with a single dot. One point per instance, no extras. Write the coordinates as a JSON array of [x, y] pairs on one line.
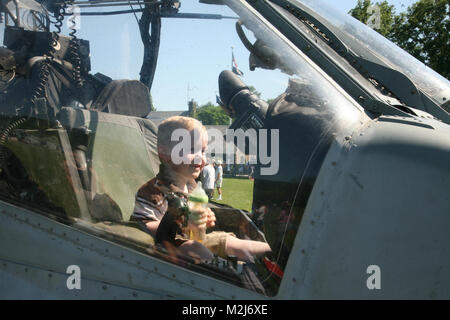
[[77, 146], [358, 35]]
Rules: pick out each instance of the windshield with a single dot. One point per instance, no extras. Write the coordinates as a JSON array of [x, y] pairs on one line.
[[93, 148], [360, 38]]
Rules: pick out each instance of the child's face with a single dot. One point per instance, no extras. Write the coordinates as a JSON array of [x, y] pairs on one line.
[[195, 160]]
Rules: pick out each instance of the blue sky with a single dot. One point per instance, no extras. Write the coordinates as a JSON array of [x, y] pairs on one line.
[[192, 53]]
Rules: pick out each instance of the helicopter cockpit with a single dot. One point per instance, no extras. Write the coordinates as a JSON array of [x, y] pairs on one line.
[[76, 146]]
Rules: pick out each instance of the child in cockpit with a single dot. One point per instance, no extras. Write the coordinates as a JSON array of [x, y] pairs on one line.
[[159, 201]]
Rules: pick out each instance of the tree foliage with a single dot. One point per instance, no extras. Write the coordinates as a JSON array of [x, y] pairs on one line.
[[423, 30], [152, 106], [209, 114], [363, 13]]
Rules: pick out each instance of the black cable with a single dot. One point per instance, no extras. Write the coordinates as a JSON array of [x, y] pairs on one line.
[[59, 14], [74, 49], [110, 13], [150, 29], [134, 12], [4, 135]]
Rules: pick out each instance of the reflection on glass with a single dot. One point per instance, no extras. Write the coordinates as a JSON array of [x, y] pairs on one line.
[[350, 30], [79, 152]]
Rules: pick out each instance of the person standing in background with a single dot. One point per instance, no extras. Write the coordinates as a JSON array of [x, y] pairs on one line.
[[208, 179], [219, 175]]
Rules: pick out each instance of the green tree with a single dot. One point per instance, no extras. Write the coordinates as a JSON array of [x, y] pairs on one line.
[[424, 31], [367, 12], [152, 106], [210, 114], [269, 101]]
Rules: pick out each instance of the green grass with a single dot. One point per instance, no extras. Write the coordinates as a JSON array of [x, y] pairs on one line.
[[237, 193]]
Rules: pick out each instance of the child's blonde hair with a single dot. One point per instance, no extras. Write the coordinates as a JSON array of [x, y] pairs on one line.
[[168, 126]]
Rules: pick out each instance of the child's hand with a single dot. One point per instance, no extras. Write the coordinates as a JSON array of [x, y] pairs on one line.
[[210, 218], [197, 220], [203, 218]]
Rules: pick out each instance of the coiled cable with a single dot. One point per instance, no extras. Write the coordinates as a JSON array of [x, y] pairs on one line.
[[74, 49], [59, 13], [44, 73], [4, 135], [39, 89]]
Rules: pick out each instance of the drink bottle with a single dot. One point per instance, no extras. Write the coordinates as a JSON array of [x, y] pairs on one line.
[[198, 200]]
